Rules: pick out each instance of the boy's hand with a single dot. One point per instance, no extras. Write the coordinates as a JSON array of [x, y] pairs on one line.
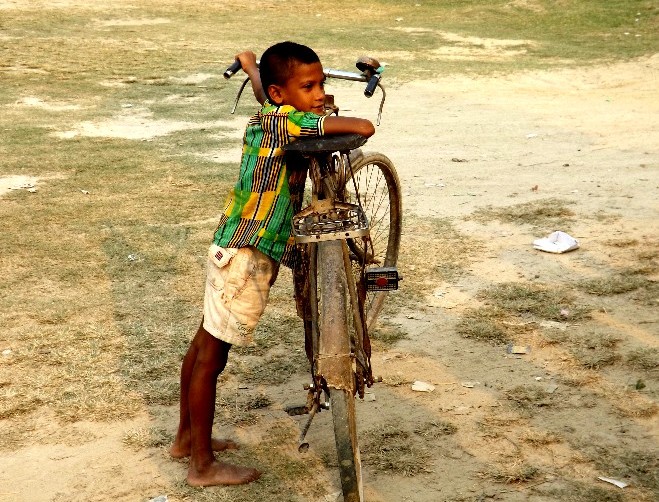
[[348, 125], [248, 62]]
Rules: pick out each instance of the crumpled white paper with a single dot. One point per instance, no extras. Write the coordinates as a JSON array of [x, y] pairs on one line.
[[556, 242]]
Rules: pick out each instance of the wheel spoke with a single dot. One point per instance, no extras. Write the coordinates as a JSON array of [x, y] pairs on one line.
[[377, 189]]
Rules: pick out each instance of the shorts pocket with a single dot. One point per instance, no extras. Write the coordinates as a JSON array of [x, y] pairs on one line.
[[219, 260], [220, 256], [238, 275]]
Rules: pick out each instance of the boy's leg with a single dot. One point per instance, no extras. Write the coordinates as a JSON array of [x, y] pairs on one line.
[[237, 287], [181, 446], [204, 470]]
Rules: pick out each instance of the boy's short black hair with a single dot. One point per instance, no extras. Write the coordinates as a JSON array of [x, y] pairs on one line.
[[278, 61]]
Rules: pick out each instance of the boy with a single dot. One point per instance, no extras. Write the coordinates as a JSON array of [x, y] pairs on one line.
[[253, 237]]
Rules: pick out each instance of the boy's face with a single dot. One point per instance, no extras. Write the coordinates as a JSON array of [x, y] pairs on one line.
[[304, 90]]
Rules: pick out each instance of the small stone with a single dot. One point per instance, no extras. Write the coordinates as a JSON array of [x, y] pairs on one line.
[[420, 386]]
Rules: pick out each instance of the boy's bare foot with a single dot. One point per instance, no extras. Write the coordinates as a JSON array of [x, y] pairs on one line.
[[182, 449], [220, 473]]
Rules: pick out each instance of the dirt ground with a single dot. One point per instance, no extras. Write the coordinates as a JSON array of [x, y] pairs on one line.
[[587, 136]]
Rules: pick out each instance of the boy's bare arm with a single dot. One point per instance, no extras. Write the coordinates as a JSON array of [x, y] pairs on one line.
[[348, 125], [248, 63]]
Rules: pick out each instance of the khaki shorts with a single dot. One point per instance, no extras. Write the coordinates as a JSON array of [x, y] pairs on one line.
[[238, 283]]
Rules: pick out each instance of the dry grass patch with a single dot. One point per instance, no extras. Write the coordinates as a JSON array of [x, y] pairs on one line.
[[638, 467], [436, 429], [287, 475], [588, 349], [617, 284], [79, 375], [273, 369], [394, 450], [574, 375], [147, 437], [622, 243], [576, 491], [239, 409], [514, 472], [451, 250], [637, 275], [595, 358], [592, 349], [643, 358], [485, 324], [499, 320], [529, 397], [538, 438], [629, 402], [538, 301], [387, 334], [502, 418], [547, 214], [397, 381]]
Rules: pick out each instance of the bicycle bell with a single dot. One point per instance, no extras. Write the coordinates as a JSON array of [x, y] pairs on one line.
[[368, 65]]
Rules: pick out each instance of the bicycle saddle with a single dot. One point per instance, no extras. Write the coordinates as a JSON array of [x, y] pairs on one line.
[[326, 144]]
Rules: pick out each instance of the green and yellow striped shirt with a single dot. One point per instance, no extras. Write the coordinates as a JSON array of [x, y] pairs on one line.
[[259, 209]]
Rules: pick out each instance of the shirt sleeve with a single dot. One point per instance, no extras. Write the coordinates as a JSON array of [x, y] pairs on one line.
[[305, 124]]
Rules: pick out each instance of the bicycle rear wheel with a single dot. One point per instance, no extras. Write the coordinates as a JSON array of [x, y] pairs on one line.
[[335, 362], [378, 187]]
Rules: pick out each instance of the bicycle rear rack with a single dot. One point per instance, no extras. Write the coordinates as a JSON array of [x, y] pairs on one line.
[[325, 220]]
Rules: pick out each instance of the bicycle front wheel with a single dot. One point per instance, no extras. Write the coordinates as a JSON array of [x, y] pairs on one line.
[[378, 187], [335, 362], [342, 404]]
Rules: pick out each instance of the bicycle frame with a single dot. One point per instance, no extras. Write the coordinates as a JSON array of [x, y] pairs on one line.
[[329, 218], [335, 234], [340, 365]]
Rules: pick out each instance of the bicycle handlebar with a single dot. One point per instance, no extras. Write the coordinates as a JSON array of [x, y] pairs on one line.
[[231, 70], [329, 72], [372, 82], [344, 75]]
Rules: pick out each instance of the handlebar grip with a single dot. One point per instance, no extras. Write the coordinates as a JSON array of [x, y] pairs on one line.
[[372, 84], [231, 70]]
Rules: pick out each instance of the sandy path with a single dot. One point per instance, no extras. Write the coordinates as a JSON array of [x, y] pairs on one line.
[[590, 136]]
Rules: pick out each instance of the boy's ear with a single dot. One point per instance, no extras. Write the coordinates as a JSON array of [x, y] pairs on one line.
[[276, 94]]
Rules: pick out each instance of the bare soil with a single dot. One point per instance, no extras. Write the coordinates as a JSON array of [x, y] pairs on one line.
[[535, 426]]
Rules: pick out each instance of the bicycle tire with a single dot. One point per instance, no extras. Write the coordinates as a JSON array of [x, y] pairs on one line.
[[379, 192], [342, 404], [335, 362]]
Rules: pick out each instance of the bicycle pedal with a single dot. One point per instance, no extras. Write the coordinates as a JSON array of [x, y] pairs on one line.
[[382, 279]]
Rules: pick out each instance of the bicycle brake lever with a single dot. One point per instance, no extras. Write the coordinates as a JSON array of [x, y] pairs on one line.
[[384, 96], [240, 91]]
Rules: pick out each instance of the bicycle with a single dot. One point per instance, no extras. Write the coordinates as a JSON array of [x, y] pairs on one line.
[[349, 236]]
